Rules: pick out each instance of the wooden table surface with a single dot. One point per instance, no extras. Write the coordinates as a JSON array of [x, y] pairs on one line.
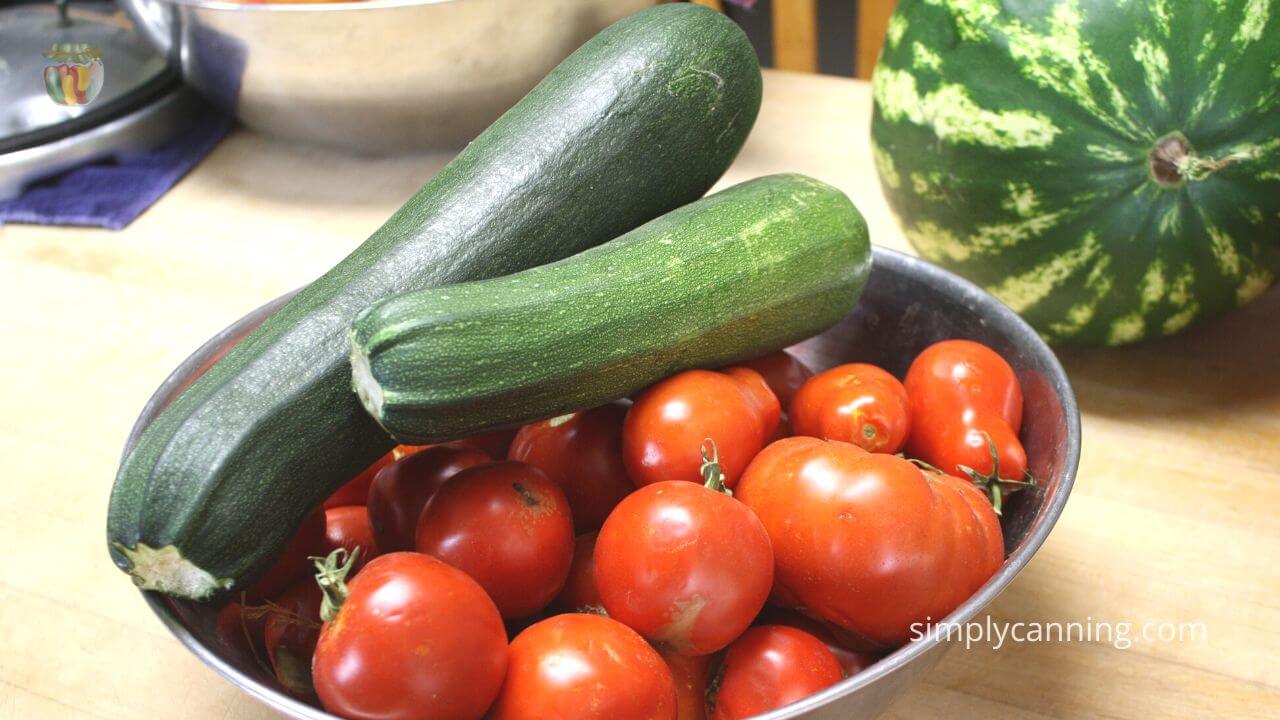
[[1173, 518]]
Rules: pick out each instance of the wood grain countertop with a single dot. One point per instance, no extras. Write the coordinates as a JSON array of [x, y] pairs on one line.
[[1175, 516]]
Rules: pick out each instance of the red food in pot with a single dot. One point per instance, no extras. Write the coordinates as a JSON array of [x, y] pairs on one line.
[[579, 593], [915, 544], [966, 403], [507, 525], [855, 403], [771, 666], [291, 631], [667, 425], [584, 667], [582, 453], [348, 527], [686, 566], [783, 372], [294, 561], [415, 639], [401, 489]]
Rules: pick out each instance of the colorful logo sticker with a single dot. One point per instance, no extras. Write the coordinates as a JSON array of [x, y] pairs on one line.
[[74, 73]]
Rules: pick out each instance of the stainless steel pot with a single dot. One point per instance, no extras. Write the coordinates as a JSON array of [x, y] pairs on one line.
[[140, 106], [371, 77], [907, 305]]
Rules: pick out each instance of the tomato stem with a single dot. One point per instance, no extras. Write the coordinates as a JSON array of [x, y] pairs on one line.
[[923, 465], [331, 576], [991, 483], [712, 472], [248, 636], [270, 609]]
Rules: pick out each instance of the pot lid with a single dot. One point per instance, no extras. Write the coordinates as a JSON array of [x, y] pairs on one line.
[[64, 71]]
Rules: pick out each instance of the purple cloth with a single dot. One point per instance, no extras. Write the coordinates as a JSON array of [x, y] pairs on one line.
[[112, 193]]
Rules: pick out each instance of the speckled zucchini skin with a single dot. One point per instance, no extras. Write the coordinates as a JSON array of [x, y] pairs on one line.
[[643, 118], [742, 272], [1110, 170]]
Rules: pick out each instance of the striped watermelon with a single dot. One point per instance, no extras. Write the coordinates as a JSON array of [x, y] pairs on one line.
[[1108, 168]]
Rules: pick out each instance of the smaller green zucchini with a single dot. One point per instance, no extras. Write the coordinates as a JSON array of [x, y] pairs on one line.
[[736, 274]]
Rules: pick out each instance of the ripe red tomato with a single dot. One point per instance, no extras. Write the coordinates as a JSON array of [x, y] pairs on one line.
[[415, 639], [783, 372], [965, 399], [584, 667], [507, 525], [771, 666], [768, 404], [348, 527], [915, 544], [495, 444], [293, 562], [240, 631], [291, 631], [855, 403], [668, 423], [684, 565], [579, 592], [402, 489], [690, 677], [582, 453], [356, 491], [852, 661]]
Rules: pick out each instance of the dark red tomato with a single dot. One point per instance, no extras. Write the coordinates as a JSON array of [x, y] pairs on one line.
[[963, 393], [584, 667], [348, 527], [770, 407], [783, 431], [292, 629], [915, 544], [855, 403], [402, 489], [852, 661], [356, 491], [293, 562], [684, 565], [579, 592], [783, 372], [771, 666], [240, 630], [690, 676], [507, 525], [415, 639], [668, 423], [495, 444], [582, 453]]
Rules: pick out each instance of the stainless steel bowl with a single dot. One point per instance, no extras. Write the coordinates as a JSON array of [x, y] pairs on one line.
[[907, 305], [372, 77]]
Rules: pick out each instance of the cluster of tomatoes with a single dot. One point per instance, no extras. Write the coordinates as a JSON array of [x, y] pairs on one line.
[[695, 553]]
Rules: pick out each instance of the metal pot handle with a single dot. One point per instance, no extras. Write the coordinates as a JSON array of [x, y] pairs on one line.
[[156, 21]]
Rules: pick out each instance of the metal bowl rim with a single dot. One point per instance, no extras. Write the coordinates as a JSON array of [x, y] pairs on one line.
[[993, 309]]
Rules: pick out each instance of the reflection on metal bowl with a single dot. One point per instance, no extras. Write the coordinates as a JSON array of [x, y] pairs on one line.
[[907, 305], [371, 77]]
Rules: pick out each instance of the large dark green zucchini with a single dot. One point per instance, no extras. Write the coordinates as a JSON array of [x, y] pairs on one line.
[[642, 119], [736, 274]]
